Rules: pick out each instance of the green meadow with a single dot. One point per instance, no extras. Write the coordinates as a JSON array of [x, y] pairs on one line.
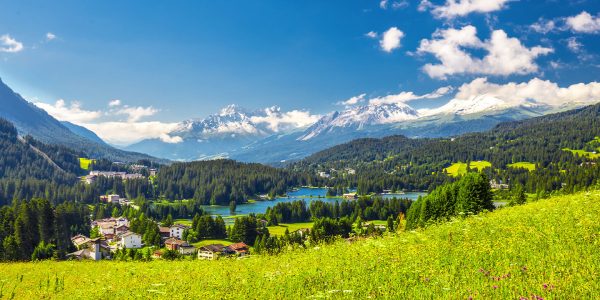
[[548, 249], [84, 163], [460, 168], [522, 165], [583, 153]]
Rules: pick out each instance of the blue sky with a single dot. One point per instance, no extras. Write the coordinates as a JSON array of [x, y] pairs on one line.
[[187, 59]]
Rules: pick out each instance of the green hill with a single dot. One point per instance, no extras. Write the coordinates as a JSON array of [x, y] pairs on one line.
[[548, 249]]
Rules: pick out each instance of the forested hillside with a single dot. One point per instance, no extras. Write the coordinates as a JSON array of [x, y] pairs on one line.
[[223, 181], [397, 162]]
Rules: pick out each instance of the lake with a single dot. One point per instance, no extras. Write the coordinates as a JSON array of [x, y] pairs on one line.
[[307, 194]]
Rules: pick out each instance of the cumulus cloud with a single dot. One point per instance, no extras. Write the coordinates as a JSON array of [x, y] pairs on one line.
[[136, 113], [543, 26], [574, 45], [407, 96], [391, 39], [126, 133], [459, 8], [371, 34], [73, 112], [384, 4], [9, 44], [277, 121], [115, 102], [537, 90], [505, 55], [353, 100], [50, 36], [584, 22]]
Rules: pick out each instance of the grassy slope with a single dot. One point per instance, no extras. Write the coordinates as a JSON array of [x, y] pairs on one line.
[[554, 242], [460, 168], [84, 163], [522, 165]]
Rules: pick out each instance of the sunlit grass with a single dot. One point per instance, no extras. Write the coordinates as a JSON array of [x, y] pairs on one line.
[[549, 249], [583, 153], [280, 229], [84, 163], [522, 165], [460, 168]]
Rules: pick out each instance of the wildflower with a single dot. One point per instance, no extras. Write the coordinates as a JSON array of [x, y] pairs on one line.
[[495, 287]]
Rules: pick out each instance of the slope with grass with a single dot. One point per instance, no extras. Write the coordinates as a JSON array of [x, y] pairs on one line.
[[522, 165], [548, 248]]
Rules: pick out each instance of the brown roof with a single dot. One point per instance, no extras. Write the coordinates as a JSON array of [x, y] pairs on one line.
[[175, 241], [238, 247], [213, 248], [164, 229]]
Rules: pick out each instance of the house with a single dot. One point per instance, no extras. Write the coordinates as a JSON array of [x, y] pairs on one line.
[[324, 174], [110, 198], [177, 231], [131, 240], [121, 229], [94, 249], [107, 229], [239, 249], [80, 241], [174, 243], [165, 232], [350, 196], [211, 252], [152, 172], [498, 185], [187, 249]]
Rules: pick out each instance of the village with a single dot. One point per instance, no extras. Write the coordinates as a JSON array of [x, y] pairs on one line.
[[116, 235]]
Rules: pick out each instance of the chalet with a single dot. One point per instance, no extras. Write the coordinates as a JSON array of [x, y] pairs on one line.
[[239, 249], [211, 252], [165, 232], [152, 172], [174, 243], [94, 249], [110, 198], [177, 230], [498, 185], [324, 174], [350, 196], [80, 241], [121, 229], [131, 240]]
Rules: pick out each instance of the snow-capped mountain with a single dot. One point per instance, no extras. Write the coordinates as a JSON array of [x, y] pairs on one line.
[[358, 118], [220, 134], [479, 104]]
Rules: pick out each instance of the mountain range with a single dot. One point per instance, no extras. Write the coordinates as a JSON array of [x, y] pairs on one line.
[[235, 132]]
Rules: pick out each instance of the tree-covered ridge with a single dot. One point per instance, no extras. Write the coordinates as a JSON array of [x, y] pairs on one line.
[[29, 159], [418, 165], [223, 181]]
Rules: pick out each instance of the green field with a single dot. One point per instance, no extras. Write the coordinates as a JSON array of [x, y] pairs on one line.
[[280, 230], [84, 163], [480, 165], [522, 165], [208, 242], [549, 248], [460, 168], [456, 169], [583, 153]]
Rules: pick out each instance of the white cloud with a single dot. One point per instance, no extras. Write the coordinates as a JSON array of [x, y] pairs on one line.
[[50, 36], [126, 133], [353, 100], [136, 113], [371, 34], [10, 45], [115, 102], [404, 97], [458, 8], [391, 39], [538, 90], [277, 121], [543, 26], [170, 139], [574, 45], [584, 22], [505, 55], [72, 113], [384, 4]]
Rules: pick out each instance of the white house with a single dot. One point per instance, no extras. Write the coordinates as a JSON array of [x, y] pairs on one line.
[[131, 240], [177, 231]]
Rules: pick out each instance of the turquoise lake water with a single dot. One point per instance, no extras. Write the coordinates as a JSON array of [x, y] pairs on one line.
[[306, 194]]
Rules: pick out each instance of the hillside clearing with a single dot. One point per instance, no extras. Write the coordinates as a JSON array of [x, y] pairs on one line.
[[85, 163], [522, 165], [460, 168], [548, 248]]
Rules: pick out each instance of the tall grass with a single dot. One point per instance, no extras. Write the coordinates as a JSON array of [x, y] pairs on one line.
[[548, 249]]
